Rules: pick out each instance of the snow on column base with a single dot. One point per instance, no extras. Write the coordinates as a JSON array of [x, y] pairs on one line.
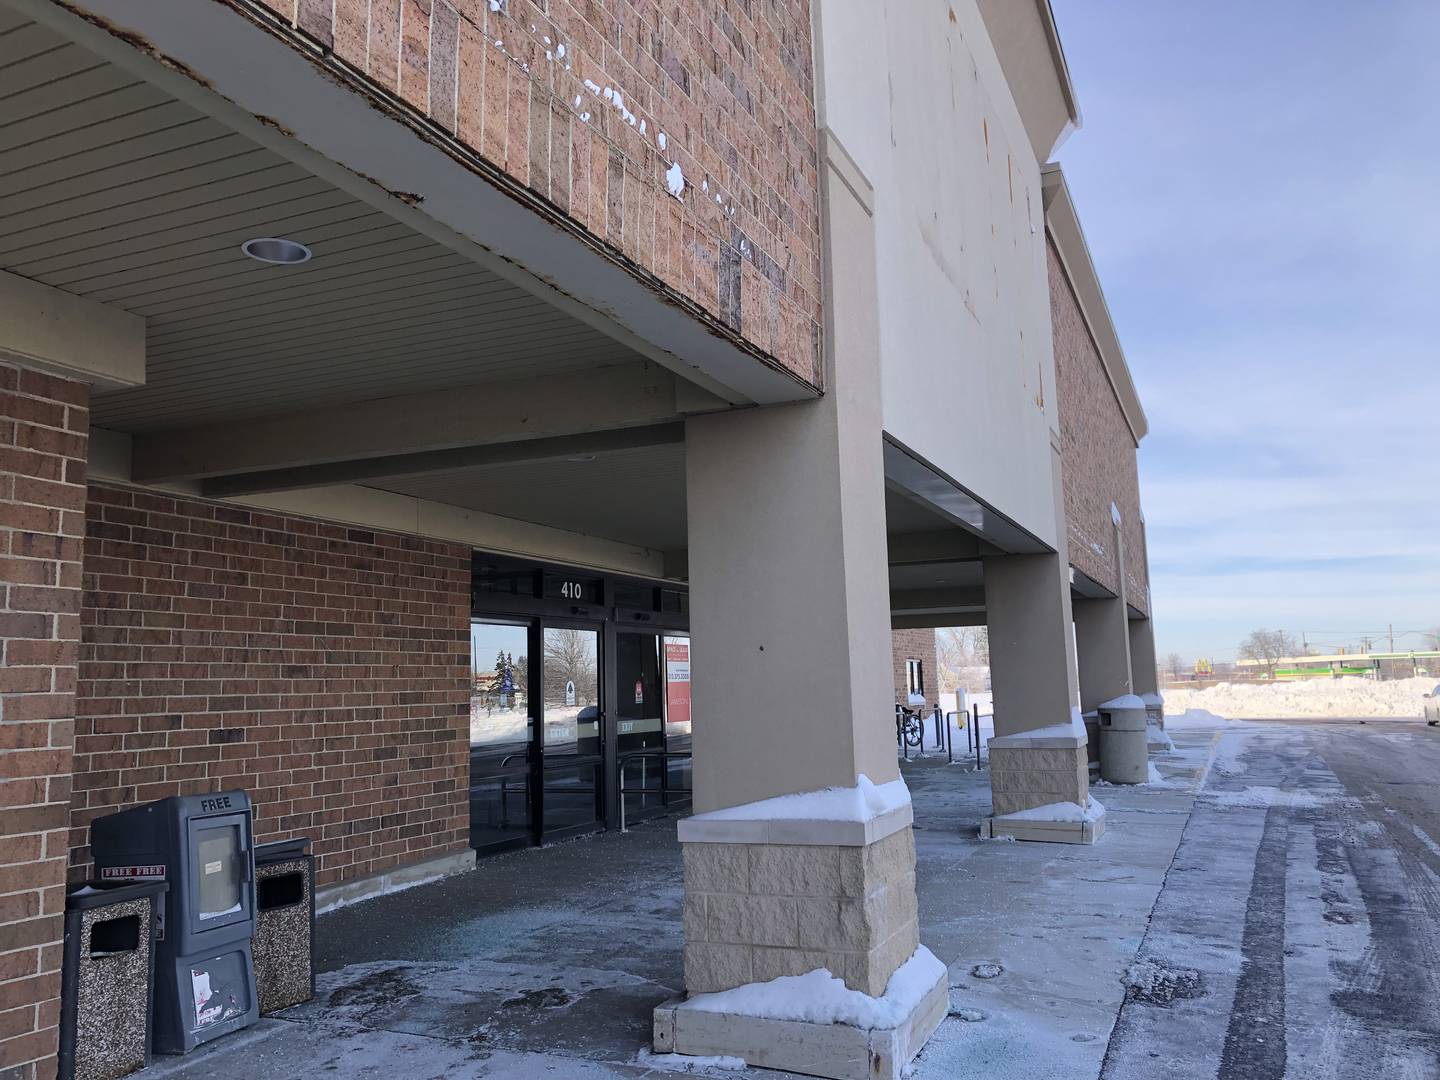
[[1056, 823], [812, 1024], [1156, 740]]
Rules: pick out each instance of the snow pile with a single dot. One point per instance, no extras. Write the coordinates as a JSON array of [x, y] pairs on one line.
[[1153, 779], [1156, 983], [1058, 811], [863, 802], [1348, 696], [1194, 718], [687, 1063], [1155, 736], [818, 997], [1262, 798]]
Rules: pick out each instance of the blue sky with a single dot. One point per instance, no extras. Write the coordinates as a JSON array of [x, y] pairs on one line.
[[1260, 187]]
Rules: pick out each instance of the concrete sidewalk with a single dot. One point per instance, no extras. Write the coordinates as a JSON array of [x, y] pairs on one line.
[[548, 962]]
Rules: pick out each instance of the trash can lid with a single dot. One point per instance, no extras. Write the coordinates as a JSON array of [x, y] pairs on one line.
[[280, 850], [98, 894], [1124, 701]]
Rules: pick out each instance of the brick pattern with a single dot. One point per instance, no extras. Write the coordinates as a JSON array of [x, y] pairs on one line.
[[1097, 451], [915, 645], [589, 103], [755, 912], [44, 425], [324, 669]]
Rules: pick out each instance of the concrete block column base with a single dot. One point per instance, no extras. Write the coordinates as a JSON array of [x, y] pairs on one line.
[[1053, 832], [766, 899], [837, 1051], [1030, 771]]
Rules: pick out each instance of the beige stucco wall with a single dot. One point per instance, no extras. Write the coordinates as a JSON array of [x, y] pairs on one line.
[[1097, 451], [916, 93]]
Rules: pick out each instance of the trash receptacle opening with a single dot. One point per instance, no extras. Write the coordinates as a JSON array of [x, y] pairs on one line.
[[109, 937], [281, 891]]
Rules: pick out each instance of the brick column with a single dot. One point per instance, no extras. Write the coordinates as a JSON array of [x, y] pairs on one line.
[[44, 424]]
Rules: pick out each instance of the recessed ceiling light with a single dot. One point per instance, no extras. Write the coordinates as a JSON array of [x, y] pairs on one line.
[[270, 249], [581, 457]]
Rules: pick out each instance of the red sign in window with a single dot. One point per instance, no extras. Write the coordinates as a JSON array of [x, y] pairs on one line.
[[677, 681]]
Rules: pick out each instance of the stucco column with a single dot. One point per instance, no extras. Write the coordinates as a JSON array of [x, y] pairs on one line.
[[789, 608], [1102, 650], [1038, 756], [1144, 673]]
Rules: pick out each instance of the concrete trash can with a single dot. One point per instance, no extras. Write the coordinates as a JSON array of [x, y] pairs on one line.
[[284, 943], [1123, 753], [107, 983]]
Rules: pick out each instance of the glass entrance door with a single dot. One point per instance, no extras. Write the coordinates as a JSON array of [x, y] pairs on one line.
[[501, 734], [573, 726], [639, 724], [652, 721]]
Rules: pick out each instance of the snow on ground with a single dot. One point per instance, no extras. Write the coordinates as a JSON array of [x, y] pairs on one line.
[[686, 1063], [1348, 696], [1154, 778], [1263, 797], [817, 997], [1193, 718]]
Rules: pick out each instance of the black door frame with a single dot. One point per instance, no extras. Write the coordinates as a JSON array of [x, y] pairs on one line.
[[529, 605], [601, 760], [530, 624]]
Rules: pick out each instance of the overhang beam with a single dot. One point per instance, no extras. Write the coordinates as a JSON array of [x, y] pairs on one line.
[[516, 410], [925, 601], [935, 621], [462, 457], [940, 546], [56, 331]]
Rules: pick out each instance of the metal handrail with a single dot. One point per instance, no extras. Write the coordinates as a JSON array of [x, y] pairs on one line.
[[631, 755]]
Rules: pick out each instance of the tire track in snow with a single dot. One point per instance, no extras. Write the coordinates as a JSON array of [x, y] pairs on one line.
[[1255, 1037]]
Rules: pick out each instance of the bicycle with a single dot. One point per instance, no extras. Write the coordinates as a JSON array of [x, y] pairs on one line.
[[908, 726]]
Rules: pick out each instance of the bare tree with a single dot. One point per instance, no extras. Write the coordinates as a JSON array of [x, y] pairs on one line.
[[1267, 647], [950, 655], [570, 657], [1174, 665], [962, 653]]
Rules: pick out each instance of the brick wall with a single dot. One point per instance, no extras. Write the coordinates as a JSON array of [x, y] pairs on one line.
[[44, 423], [917, 645], [589, 103], [324, 669], [1097, 450]]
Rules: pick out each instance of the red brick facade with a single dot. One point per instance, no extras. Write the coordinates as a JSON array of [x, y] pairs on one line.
[[44, 425], [915, 645], [324, 669], [589, 103], [1097, 450]]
